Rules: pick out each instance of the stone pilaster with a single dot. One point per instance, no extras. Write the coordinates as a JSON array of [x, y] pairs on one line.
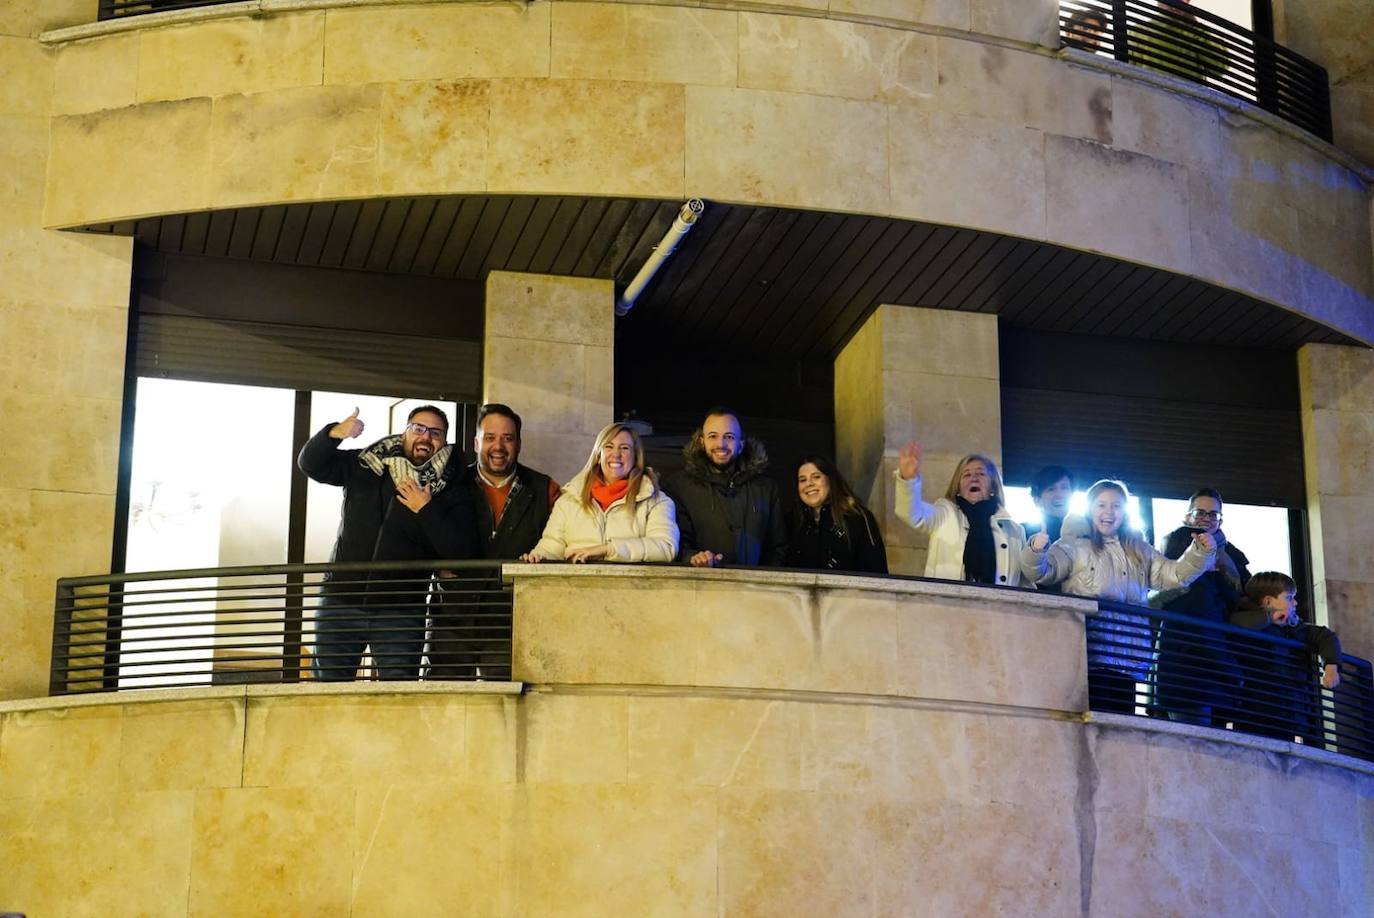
[[1337, 385], [931, 374], [63, 325], [549, 352]]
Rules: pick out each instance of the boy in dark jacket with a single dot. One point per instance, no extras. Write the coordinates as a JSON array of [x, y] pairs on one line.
[[1280, 700], [728, 511]]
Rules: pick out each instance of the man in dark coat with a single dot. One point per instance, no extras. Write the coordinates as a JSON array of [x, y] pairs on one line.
[[494, 509], [371, 478], [1196, 670], [728, 511]]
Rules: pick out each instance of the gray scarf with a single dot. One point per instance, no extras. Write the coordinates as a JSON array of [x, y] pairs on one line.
[[386, 455]]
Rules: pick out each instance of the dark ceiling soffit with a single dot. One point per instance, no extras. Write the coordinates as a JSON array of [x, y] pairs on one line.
[[795, 283]]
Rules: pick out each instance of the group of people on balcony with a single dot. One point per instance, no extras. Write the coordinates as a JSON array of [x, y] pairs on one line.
[[405, 501]]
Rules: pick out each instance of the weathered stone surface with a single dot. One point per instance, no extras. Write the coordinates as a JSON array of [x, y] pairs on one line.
[[436, 41], [670, 44], [322, 140], [226, 56], [791, 53], [586, 137], [123, 186], [96, 74], [743, 145]]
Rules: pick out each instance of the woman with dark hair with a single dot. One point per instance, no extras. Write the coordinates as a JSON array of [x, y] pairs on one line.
[[833, 530]]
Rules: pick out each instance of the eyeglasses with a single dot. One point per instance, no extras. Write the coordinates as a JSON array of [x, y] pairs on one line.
[[421, 430], [1205, 514]]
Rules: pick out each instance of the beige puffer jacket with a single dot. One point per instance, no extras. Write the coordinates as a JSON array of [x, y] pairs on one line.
[[648, 534]]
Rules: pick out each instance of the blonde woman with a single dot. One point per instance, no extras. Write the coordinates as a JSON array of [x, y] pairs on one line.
[[613, 510], [972, 536], [1114, 562]]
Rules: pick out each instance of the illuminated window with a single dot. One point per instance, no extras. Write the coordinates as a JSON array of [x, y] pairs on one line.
[[1260, 532]]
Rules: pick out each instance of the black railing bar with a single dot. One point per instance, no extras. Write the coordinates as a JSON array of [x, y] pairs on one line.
[[489, 583], [265, 569], [1189, 16], [278, 596], [324, 586], [485, 623], [493, 610], [1145, 613], [1149, 32], [242, 656]]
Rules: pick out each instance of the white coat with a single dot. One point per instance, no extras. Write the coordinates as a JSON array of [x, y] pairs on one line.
[[948, 529], [648, 534]]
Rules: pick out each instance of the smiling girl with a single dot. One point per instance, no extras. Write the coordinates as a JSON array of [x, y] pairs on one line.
[[1114, 562], [972, 537], [613, 510]]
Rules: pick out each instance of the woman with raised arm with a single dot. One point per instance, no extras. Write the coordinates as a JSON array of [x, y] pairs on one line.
[[613, 510], [833, 530], [972, 536]]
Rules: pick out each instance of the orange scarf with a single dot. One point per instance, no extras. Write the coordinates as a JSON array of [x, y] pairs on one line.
[[607, 494]]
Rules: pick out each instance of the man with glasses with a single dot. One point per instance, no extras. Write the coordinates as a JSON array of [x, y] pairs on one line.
[[1196, 671], [376, 481], [494, 509]]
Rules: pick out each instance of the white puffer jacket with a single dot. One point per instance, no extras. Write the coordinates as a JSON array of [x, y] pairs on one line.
[[948, 529], [649, 534]]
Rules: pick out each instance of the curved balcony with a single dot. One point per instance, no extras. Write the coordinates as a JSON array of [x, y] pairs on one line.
[[734, 742]]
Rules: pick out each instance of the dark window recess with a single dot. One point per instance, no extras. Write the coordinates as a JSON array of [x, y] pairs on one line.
[[1165, 418], [223, 320]]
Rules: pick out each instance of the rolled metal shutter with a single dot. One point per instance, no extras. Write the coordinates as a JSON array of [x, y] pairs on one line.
[[1159, 447], [301, 357]]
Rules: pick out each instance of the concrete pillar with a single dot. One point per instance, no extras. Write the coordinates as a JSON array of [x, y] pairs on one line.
[[931, 374], [1337, 386], [549, 353]]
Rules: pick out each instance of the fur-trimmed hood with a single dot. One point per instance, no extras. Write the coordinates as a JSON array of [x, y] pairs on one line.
[[750, 463]]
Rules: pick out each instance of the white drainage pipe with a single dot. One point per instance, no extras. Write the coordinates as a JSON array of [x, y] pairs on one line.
[[682, 224]]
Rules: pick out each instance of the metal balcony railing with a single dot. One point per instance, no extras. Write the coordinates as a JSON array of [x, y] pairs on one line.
[[280, 623], [110, 9], [1183, 41], [1161, 664]]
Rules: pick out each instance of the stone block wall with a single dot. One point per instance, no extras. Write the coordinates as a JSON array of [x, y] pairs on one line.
[[814, 788], [927, 374], [548, 353], [63, 326], [953, 111], [1337, 390]]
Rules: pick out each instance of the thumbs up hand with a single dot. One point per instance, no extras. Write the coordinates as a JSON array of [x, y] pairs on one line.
[[348, 427]]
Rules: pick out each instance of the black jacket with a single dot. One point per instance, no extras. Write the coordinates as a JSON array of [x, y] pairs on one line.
[[735, 512], [457, 523], [1196, 667], [367, 496], [1316, 638], [819, 544]]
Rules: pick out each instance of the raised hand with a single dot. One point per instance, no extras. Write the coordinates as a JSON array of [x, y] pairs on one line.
[[1040, 541], [909, 460], [1205, 541], [412, 495], [348, 427]]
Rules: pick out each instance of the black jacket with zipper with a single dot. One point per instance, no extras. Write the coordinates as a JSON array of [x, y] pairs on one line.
[[735, 512]]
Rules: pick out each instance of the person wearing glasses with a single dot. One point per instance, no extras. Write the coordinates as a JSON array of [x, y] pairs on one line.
[[373, 481], [1196, 672], [509, 504]]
